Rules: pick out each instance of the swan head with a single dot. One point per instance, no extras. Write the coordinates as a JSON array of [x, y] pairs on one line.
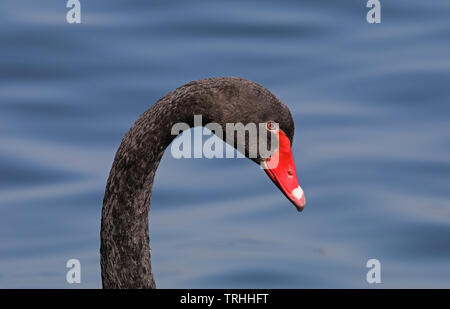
[[254, 106]]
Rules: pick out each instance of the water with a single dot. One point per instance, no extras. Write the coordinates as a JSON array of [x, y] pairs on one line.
[[372, 145]]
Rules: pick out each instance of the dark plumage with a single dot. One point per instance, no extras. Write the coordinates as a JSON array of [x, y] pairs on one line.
[[125, 250]]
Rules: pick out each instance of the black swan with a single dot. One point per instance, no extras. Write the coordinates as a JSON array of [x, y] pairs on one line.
[[125, 248]]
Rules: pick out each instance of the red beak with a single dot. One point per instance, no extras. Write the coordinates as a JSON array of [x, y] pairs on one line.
[[281, 169]]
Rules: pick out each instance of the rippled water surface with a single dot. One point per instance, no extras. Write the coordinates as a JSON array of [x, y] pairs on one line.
[[372, 144]]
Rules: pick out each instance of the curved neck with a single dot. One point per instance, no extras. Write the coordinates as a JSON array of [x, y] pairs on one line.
[[125, 249]]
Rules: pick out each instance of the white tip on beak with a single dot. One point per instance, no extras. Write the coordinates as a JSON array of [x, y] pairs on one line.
[[297, 193]]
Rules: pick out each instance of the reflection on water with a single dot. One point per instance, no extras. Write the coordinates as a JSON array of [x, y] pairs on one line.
[[372, 142]]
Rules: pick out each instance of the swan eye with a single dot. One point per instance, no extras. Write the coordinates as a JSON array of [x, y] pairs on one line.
[[271, 126]]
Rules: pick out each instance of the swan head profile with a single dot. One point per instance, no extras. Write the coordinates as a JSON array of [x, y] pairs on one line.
[[258, 125]]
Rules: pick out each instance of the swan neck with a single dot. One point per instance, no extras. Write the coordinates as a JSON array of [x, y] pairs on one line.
[[125, 249]]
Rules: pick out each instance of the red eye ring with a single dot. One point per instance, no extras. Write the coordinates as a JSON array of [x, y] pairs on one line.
[[271, 125]]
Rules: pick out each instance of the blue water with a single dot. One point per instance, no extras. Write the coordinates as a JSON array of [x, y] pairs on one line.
[[372, 144]]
